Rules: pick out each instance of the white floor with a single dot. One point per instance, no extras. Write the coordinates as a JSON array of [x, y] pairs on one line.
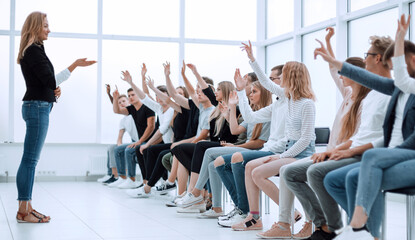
[[88, 210]]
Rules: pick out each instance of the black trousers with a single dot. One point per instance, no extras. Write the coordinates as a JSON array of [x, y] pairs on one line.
[[140, 161], [154, 164], [191, 154]]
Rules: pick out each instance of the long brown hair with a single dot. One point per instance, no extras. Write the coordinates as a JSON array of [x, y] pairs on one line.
[[350, 121], [186, 95], [265, 100], [297, 81], [227, 87], [30, 32]]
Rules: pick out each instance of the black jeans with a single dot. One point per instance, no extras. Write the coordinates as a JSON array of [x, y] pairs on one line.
[[154, 164]]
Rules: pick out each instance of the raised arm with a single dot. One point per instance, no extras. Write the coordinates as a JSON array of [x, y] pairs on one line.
[[263, 79], [233, 121], [402, 79], [189, 86], [202, 83], [329, 35], [163, 96], [357, 74], [143, 79], [109, 92], [260, 116], [182, 101], [116, 108], [127, 77]]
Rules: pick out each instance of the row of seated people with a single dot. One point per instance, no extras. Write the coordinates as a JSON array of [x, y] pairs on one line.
[[371, 145]]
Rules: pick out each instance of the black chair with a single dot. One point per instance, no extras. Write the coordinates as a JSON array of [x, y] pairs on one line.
[[322, 136], [410, 212]]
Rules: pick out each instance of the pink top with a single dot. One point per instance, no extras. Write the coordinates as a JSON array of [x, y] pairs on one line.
[[344, 108]]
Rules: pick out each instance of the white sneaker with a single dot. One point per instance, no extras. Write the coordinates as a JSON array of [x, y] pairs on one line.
[[189, 200], [104, 178], [138, 193], [116, 183], [348, 234], [197, 208], [230, 214], [128, 184], [237, 218], [173, 203], [210, 214]]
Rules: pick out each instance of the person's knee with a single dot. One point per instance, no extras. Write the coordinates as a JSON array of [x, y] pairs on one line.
[[315, 173], [329, 181], [352, 178], [287, 173], [371, 157], [257, 175], [250, 167], [219, 161], [237, 158]]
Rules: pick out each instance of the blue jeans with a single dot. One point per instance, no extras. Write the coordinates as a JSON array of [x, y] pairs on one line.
[[36, 116], [111, 163], [380, 169], [233, 176], [123, 156]]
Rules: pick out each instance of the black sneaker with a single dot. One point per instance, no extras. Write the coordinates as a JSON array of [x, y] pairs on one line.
[[319, 234], [111, 180], [165, 187]]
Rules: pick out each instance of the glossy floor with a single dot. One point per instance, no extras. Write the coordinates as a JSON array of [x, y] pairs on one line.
[[89, 210]]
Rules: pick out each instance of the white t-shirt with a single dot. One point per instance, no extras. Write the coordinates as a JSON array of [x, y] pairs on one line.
[[128, 124]]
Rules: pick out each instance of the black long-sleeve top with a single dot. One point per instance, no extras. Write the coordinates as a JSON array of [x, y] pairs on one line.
[[39, 74]]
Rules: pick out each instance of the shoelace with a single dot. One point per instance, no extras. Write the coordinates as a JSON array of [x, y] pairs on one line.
[[232, 213]]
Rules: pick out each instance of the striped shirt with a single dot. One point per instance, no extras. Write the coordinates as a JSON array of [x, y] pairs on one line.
[[300, 121]]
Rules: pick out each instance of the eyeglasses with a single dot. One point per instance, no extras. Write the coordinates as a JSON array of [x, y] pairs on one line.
[[368, 53], [274, 78]]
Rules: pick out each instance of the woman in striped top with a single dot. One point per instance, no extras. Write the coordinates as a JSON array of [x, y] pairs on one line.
[[295, 89]]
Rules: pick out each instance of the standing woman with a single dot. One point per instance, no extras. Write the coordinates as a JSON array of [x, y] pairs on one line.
[[41, 92]]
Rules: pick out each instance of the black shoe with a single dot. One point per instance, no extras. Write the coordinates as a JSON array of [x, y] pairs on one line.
[[319, 234], [111, 180], [165, 187]]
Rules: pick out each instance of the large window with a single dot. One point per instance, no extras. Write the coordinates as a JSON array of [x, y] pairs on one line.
[[4, 90], [4, 15], [359, 4], [76, 16], [217, 19], [141, 17], [279, 53], [323, 85], [380, 24], [318, 10], [280, 16]]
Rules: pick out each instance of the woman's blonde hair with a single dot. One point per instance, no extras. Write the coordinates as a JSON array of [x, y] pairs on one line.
[[297, 81], [226, 87], [265, 100], [30, 32]]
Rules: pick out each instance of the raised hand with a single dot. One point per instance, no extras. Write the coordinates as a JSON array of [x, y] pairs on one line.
[[240, 82], [108, 88], [322, 51], [166, 68], [150, 82], [403, 25], [116, 94], [192, 67], [143, 70], [248, 49], [126, 77], [330, 33], [233, 98]]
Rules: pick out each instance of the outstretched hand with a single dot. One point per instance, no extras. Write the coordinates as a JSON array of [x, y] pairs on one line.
[[108, 87], [166, 68], [240, 82], [82, 62], [183, 68], [143, 70], [126, 76], [248, 49]]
